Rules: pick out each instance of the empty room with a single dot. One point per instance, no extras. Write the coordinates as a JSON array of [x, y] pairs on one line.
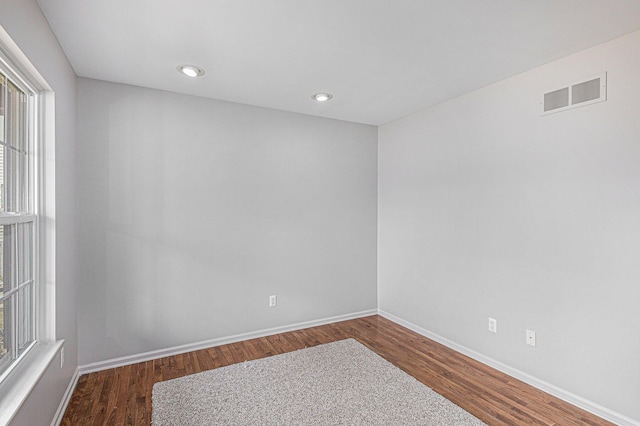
[[305, 212]]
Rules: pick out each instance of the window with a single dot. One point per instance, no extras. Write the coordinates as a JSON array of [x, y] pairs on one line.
[[28, 341], [17, 221]]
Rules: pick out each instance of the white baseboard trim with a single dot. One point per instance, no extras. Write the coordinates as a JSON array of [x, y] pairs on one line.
[[569, 397], [160, 353], [57, 419]]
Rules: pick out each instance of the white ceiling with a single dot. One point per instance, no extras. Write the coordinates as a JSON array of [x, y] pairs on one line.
[[381, 59]]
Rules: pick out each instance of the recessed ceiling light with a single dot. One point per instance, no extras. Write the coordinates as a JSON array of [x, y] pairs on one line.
[[322, 97], [191, 70]]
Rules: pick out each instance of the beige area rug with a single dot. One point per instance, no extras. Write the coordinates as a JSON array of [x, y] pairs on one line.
[[339, 383]]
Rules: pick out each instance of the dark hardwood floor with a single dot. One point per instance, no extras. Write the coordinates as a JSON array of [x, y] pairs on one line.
[[122, 395]]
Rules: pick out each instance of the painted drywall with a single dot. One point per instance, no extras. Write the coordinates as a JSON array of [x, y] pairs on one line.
[[488, 209], [194, 211], [28, 28]]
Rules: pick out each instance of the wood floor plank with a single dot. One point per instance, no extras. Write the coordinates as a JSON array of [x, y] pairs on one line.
[[111, 403], [122, 396], [213, 358], [227, 354], [124, 393]]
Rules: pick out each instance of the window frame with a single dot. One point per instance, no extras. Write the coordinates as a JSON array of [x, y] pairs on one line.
[[18, 384]]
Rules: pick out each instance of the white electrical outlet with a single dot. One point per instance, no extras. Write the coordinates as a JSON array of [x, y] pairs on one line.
[[273, 301], [62, 357], [493, 325], [531, 338]]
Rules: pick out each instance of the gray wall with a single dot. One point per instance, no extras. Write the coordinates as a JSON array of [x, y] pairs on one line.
[[488, 209], [28, 28], [194, 211]]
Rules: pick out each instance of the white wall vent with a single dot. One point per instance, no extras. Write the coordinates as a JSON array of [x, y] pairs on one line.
[[585, 92]]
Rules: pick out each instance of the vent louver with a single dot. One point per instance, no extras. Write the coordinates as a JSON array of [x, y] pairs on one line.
[[585, 92], [556, 99]]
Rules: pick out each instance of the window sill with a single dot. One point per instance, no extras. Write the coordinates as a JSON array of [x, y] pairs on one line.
[[16, 387]]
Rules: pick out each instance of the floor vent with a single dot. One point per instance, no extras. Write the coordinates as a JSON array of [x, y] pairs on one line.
[[585, 92]]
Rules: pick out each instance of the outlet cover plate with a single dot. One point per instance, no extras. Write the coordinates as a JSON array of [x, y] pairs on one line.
[[493, 325], [531, 338]]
